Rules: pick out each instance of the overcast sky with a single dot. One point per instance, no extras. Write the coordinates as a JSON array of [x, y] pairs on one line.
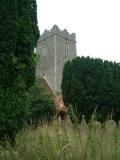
[[95, 22]]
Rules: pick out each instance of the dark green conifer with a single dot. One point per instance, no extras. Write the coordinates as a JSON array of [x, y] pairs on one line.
[[92, 85], [18, 37]]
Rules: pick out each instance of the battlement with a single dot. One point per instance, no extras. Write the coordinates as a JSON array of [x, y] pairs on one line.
[[55, 47], [55, 30]]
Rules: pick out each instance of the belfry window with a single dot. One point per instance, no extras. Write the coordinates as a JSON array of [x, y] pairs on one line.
[[66, 49], [44, 49]]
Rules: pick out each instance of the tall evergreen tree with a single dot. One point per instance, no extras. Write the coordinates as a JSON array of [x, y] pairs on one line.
[[28, 35], [18, 38], [8, 34]]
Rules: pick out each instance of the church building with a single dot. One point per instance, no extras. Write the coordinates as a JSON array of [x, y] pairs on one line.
[[55, 47]]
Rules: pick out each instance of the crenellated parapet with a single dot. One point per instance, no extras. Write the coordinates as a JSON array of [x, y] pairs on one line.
[[55, 47], [55, 30]]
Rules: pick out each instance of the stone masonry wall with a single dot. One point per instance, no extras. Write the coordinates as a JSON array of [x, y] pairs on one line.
[[52, 50], [45, 65], [62, 57]]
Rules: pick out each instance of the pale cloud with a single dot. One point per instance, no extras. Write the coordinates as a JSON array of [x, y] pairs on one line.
[[95, 22]]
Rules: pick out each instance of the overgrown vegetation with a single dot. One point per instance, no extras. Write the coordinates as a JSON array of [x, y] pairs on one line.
[[92, 84], [42, 105], [66, 142]]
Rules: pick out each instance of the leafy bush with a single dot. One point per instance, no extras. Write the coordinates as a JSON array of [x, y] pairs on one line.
[[42, 105]]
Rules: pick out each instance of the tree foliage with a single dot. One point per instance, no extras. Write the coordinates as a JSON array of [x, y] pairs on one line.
[[42, 105], [92, 84], [27, 37], [14, 108], [18, 38]]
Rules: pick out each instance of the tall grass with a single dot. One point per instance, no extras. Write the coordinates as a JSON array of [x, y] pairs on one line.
[[63, 141]]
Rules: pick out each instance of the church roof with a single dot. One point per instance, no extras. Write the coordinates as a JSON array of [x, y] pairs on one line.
[[47, 86]]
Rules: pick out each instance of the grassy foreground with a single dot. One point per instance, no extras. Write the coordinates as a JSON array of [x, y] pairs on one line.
[[65, 142]]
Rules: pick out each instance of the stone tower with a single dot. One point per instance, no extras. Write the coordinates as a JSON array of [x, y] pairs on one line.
[[55, 47]]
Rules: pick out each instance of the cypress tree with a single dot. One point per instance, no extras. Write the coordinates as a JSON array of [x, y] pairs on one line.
[[26, 40], [18, 38], [8, 34]]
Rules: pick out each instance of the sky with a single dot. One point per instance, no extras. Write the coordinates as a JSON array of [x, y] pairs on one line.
[[95, 22]]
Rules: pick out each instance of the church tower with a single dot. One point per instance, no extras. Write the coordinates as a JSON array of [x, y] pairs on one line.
[[55, 47]]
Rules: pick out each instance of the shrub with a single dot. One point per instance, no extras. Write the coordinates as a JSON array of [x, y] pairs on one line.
[[42, 105], [90, 84]]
